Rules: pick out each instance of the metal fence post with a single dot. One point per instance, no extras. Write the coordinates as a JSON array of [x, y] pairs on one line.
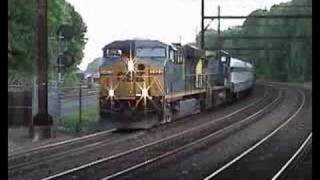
[[80, 108]]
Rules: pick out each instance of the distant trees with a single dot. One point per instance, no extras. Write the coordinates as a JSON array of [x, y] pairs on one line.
[[288, 59], [22, 35], [93, 67]]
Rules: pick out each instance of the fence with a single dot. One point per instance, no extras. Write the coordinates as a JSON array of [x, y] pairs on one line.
[[19, 105], [79, 108], [71, 107]]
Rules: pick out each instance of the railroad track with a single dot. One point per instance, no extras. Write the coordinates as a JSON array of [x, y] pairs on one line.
[[124, 162], [23, 158], [26, 159], [43, 157], [247, 151], [37, 158], [279, 148], [285, 133], [21, 153], [54, 162], [247, 169]]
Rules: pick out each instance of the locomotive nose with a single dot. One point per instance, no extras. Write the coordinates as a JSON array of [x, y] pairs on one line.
[[127, 78]]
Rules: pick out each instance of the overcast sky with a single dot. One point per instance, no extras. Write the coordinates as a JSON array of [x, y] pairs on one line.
[[164, 20]]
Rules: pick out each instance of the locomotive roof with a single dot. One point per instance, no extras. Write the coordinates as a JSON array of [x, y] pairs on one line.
[[125, 44], [192, 52], [239, 63]]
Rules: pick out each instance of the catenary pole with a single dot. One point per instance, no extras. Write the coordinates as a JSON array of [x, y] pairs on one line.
[[202, 25]]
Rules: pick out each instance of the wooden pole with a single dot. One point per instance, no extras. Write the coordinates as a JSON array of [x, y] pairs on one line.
[[42, 57], [42, 122]]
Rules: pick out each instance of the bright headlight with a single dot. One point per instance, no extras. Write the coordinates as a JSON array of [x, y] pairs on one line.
[[130, 66], [144, 92], [111, 92]]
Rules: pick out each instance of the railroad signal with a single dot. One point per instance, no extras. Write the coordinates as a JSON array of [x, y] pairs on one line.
[[65, 60], [65, 32]]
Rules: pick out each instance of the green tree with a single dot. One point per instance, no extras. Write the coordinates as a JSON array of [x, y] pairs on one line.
[[22, 35], [290, 59]]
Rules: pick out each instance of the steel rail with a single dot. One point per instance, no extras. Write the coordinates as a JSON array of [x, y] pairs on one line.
[[258, 143], [283, 168], [69, 141], [87, 147], [115, 156], [179, 149]]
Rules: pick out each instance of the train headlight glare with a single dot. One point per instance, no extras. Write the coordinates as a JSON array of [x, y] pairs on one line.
[[130, 66], [111, 92], [144, 92]]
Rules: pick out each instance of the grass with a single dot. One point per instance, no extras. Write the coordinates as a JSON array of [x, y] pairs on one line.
[[89, 117]]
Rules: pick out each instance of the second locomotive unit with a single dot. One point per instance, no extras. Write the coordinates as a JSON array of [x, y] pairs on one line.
[[146, 82]]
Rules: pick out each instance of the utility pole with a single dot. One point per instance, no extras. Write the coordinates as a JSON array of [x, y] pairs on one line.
[[219, 35], [42, 122], [202, 25], [42, 56]]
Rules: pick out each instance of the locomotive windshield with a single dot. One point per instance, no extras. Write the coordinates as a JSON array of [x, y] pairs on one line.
[[151, 52], [113, 53]]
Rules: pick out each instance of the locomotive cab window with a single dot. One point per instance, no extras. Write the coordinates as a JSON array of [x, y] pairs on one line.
[[223, 59], [180, 58], [177, 58], [171, 55], [113, 53], [151, 52]]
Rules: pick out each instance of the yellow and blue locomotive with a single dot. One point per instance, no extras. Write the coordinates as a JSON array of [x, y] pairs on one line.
[[146, 82]]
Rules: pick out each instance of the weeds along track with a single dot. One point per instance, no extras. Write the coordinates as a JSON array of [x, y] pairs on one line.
[[126, 161]]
